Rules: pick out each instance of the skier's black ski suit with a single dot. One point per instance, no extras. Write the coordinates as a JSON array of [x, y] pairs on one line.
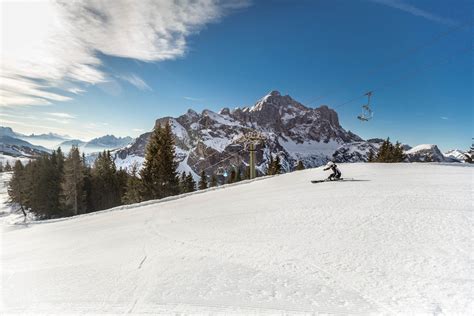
[[336, 173]]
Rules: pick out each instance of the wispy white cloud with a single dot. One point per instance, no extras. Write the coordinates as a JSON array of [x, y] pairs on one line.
[[136, 81], [402, 5], [193, 99], [61, 115], [444, 118], [49, 46], [138, 129], [76, 90]]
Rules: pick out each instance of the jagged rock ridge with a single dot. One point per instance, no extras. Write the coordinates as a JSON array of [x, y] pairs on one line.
[[209, 140]]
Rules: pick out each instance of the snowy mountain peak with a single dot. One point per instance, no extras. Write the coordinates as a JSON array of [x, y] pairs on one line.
[[457, 154], [293, 131], [425, 152], [109, 141], [8, 131]]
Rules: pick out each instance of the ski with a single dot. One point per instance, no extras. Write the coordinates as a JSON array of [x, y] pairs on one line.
[[327, 180]]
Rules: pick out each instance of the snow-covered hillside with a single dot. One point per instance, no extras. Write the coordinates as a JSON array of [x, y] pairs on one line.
[[397, 241]]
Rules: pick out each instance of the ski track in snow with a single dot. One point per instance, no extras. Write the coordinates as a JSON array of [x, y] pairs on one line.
[[399, 243]]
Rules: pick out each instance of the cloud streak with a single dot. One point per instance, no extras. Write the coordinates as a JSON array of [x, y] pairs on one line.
[[47, 47], [61, 115], [403, 6], [136, 81], [193, 99]]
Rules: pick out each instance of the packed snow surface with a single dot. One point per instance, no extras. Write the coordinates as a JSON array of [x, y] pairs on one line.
[[398, 241]]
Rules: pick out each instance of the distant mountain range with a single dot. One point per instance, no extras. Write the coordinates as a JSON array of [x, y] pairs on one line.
[[20, 145], [211, 141]]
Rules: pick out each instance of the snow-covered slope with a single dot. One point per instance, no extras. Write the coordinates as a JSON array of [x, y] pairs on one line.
[[399, 241]]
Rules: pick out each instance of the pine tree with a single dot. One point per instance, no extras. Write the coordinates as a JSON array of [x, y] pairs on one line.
[[247, 173], [238, 175], [8, 167], [1, 166], [371, 156], [73, 183], [389, 152], [213, 181], [134, 187], [232, 176], [468, 157], [17, 187], [159, 172], [300, 165], [270, 166], [105, 183], [398, 154], [182, 183], [203, 181], [277, 165], [88, 196], [45, 189], [190, 183], [384, 151]]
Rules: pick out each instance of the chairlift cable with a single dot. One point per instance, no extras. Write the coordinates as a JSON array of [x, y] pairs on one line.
[[398, 58], [410, 74]]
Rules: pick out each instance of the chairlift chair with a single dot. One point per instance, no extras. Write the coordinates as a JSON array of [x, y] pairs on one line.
[[367, 112]]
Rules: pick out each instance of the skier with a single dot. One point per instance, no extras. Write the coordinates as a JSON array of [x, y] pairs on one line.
[[336, 173]]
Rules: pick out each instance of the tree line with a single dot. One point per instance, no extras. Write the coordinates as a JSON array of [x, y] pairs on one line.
[[387, 152], [6, 168]]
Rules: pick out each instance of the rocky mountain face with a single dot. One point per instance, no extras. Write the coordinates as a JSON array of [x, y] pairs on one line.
[[210, 141], [357, 151]]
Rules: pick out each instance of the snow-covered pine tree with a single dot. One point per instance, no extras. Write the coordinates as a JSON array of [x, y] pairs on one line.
[[73, 182], [203, 181]]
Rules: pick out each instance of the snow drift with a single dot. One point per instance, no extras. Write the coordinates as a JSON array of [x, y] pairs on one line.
[[399, 241]]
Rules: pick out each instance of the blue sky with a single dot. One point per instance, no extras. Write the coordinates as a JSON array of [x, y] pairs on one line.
[[230, 54]]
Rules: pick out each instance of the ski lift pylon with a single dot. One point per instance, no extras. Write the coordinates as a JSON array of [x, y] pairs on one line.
[[367, 112]]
